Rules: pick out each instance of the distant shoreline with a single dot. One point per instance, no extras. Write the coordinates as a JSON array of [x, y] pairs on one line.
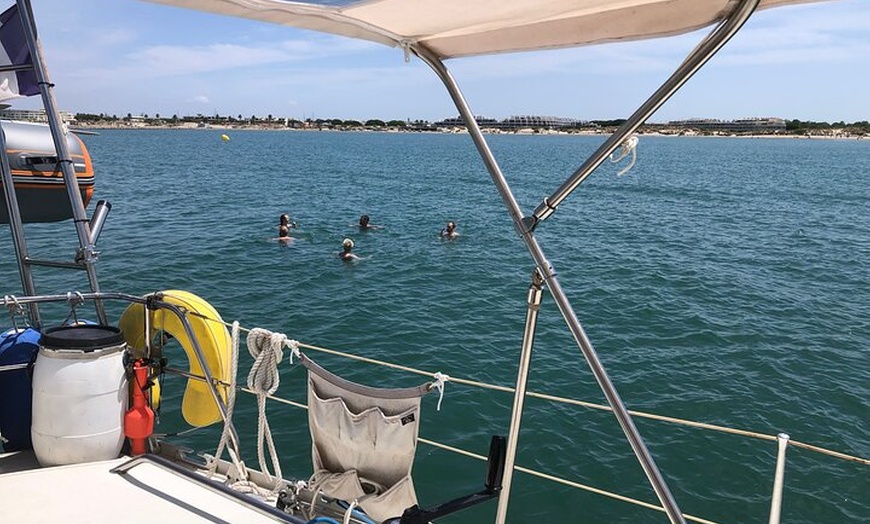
[[832, 134]]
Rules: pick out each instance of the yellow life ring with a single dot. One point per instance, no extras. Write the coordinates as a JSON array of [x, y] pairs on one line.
[[198, 405]]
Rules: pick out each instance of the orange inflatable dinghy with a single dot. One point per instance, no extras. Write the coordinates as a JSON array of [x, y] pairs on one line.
[[36, 174]]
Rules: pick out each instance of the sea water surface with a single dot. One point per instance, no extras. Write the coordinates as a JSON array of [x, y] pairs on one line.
[[722, 280]]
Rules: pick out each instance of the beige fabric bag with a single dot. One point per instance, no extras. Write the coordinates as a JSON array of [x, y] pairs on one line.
[[363, 441]]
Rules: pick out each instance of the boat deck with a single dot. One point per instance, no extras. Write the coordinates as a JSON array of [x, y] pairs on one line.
[[91, 493]]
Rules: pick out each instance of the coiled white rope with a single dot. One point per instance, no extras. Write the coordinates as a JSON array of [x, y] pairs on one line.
[[267, 349], [629, 146]]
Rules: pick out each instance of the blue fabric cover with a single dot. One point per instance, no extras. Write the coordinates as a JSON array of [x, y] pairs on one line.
[[17, 347]]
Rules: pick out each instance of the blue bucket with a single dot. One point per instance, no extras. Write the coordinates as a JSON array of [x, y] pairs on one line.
[[17, 347]]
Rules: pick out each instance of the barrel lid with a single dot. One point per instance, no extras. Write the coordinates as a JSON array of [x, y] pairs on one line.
[[87, 337]]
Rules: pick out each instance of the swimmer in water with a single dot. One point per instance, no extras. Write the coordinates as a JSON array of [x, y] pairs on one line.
[[346, 247], [365, 224], [450, 231], [284, 220], [284, 235]]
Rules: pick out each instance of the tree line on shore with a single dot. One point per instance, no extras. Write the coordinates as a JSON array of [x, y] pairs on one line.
[[237, 120], [793, 126]]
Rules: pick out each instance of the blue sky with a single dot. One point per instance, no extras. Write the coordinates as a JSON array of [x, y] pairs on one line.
[[810, 62]]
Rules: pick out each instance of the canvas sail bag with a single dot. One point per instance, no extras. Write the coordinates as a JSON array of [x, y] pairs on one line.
[[363, 441]]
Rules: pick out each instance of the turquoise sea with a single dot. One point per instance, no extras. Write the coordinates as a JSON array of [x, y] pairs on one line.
[[723, 280]]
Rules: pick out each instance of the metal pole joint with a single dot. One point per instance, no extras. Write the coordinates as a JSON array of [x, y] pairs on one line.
[[543, 211]]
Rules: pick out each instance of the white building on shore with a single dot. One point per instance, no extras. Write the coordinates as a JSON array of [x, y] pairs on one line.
[[33, 115]]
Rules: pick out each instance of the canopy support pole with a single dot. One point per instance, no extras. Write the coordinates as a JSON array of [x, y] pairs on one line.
[[534, 305], [546, 271], [696, 59]]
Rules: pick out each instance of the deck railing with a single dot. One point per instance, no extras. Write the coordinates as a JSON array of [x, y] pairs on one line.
[[783, 440]]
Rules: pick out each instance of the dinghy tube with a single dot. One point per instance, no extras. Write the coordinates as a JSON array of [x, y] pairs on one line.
[[37, 176]]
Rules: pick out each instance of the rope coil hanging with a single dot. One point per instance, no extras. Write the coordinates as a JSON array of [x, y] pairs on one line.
[[627, 147], [267, 348], [439, 384]]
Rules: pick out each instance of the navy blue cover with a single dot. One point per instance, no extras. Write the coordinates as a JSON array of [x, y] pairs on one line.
[[15, 387]]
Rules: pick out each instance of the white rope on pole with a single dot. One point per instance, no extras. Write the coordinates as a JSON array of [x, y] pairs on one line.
[[439, 384], [627, 147]]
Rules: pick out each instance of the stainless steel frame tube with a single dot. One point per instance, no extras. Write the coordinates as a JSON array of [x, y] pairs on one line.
[[534, 305], [696, 59], [549, 276]]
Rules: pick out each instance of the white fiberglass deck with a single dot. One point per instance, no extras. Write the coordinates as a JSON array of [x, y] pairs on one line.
[[90, 493]]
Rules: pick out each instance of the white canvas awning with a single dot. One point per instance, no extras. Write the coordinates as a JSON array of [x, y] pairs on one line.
[[454, 28]]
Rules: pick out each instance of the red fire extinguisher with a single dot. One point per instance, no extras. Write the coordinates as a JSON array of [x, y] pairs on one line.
[[139, 419]]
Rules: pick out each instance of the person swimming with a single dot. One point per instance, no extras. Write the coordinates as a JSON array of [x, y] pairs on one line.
[[450, 231], [346, 247], [284, 220], [284, 235], [365, 223]]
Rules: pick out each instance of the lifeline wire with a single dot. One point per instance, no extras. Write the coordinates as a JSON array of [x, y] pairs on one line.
[[294, 345], [506, 389]]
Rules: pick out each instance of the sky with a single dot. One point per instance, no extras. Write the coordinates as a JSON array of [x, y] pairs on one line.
[[809, 62]]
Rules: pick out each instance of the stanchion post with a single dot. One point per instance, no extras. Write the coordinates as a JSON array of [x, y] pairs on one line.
[[779, 477]]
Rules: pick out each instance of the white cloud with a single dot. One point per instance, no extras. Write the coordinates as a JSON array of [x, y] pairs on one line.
[[807, 34], [157, 61], [161, 61], [113, 37], [202, 99]]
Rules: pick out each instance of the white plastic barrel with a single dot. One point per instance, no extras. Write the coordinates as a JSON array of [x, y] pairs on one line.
[[79, 395]]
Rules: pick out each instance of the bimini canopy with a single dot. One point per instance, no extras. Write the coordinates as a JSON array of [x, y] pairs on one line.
[[454, 28]]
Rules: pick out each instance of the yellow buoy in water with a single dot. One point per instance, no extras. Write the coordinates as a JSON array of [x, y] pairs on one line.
[[225, 138]]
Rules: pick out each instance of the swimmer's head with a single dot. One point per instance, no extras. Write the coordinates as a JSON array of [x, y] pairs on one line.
[[451, 226], [364, 220], [347, 243], [284, 219]]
